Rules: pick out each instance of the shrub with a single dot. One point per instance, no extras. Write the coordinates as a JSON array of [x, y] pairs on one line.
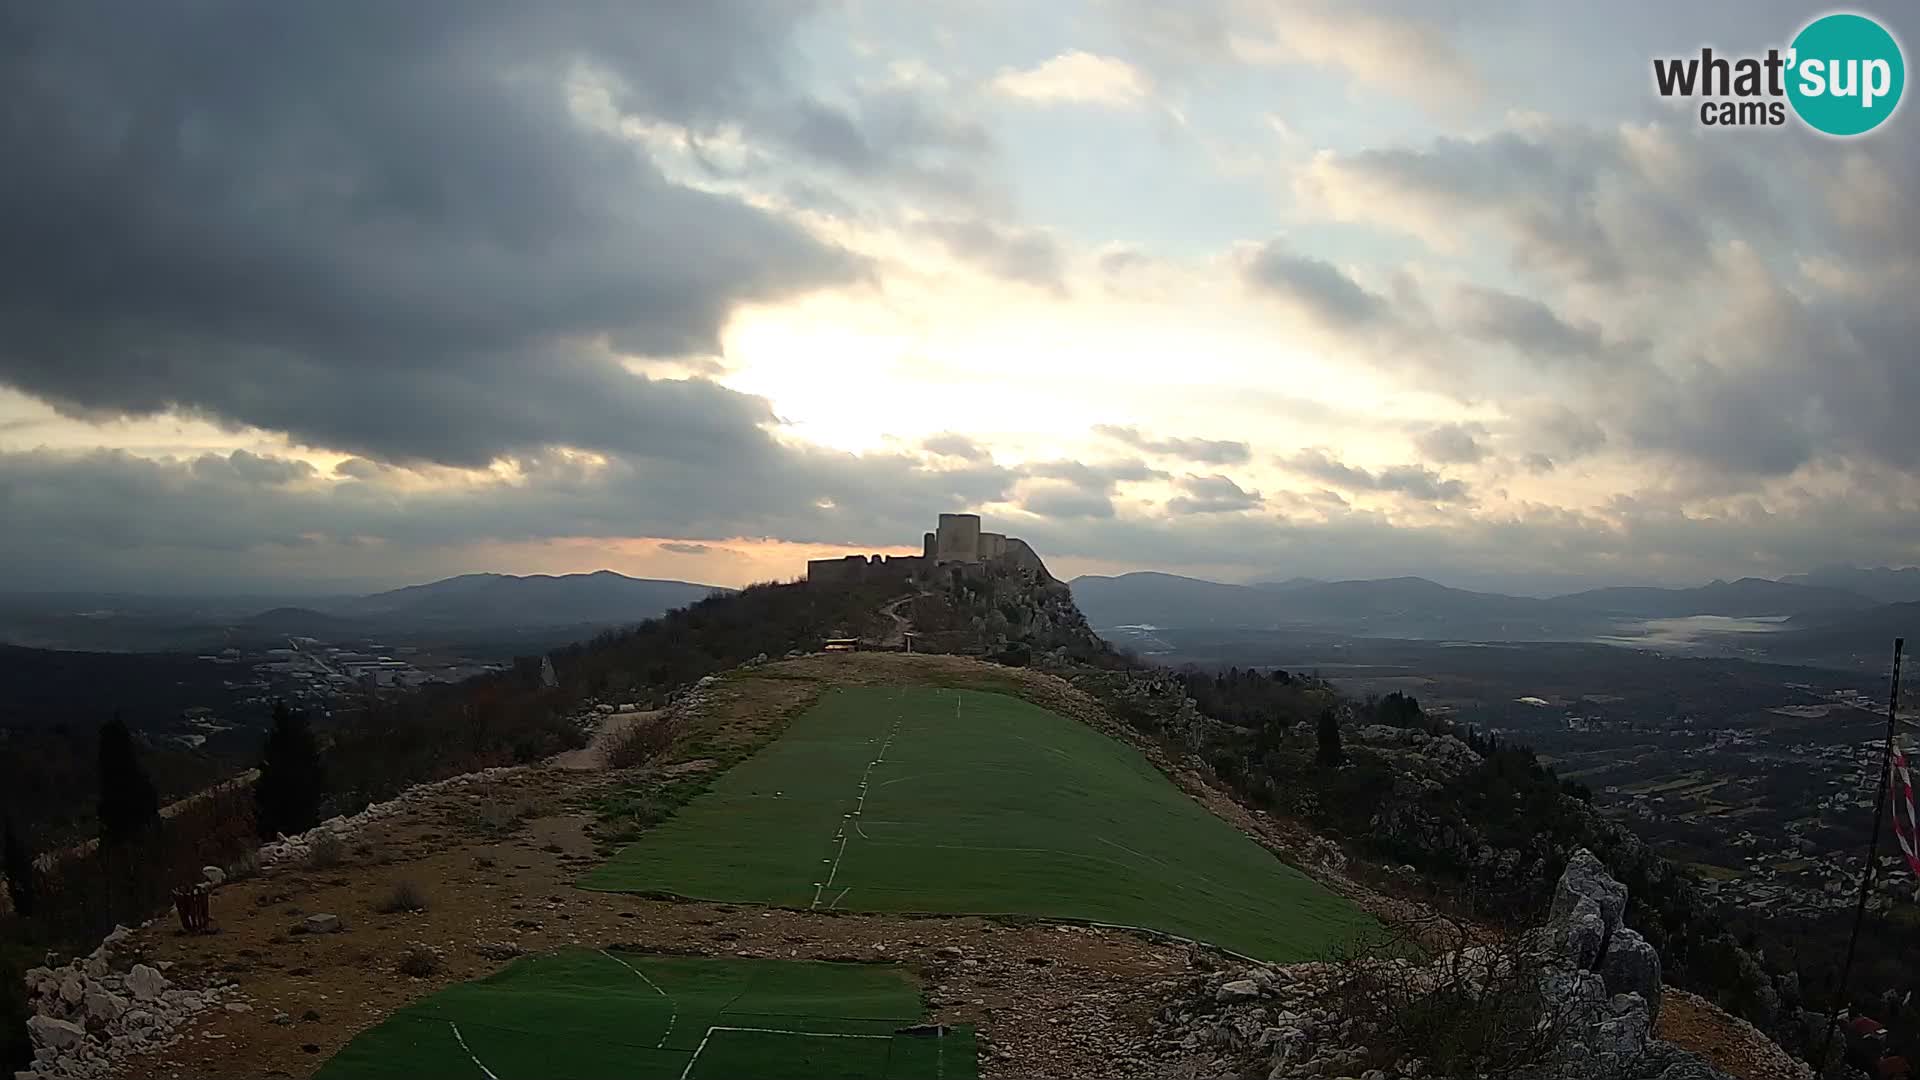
[[244, 866], [640, 743], [1475, 1010], [326, 852], [405, 896], [419, 961]]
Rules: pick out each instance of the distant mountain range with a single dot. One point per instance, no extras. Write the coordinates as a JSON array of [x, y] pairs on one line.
[[1411, 607], [1879, 583], [532, 600], [465, 608]]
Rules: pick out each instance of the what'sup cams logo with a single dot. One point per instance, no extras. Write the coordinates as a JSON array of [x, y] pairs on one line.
[[1842, 75]]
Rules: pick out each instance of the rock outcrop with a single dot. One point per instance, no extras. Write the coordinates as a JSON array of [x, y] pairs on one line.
[[98, 1009], [1598, 992]]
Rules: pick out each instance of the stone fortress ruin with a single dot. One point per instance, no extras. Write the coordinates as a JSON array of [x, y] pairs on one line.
[[958, 544]]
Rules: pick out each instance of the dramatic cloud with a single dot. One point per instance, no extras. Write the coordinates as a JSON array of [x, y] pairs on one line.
[[412, 250], [1078, 78], [1414, 481], [1203, 451], [1213, 494]]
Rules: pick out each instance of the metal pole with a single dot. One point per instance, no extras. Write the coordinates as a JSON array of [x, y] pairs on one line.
[[1873, 845]]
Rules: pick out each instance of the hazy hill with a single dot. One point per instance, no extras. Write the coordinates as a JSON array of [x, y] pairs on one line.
[[1745, 597], [532, 600], [1879, 583], [1388, 607], [1412, 607]]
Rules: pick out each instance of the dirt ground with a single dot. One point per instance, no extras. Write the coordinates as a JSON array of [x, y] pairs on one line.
[[496, 865]]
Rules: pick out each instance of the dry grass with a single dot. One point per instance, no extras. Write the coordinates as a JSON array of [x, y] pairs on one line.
[[641, 744]]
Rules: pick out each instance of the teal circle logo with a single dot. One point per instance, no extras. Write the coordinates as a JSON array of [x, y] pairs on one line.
[[1846, 74]]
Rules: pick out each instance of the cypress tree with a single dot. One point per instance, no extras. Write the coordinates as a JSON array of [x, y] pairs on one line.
[[19, 870], [1330, 752], [293, 779], [128, 803]]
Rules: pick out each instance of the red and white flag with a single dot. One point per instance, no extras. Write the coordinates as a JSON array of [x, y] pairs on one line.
[[1906, 829]]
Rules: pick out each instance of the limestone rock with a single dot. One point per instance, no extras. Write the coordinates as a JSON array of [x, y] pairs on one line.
[[1237, 990], [213, 876], [1632, 966], [54, 1034], [145, 983], [1587, 877], [72, 988], [105, 1007], [323, 924]]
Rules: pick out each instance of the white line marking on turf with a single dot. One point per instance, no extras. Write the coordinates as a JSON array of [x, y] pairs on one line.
[[673, 1013], [821, 886], [837, 899], [688, 1071], [484, 1071]]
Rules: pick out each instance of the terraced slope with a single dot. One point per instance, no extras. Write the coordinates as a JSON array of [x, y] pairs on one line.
[[962, 802], [587, 1015]]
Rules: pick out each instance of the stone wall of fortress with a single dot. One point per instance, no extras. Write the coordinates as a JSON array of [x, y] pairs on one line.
[[957, 542]]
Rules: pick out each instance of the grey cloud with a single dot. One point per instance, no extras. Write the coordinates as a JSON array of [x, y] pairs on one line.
[[1203, 451], [1213, 494], [1320, 288], [389, 234], [1102, 477], [679, 548], [1029, 256], [1059, 500], [953, 444], [1416, 481], [1452, 444], [1531, 327]]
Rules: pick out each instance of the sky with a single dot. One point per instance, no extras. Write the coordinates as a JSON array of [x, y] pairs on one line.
[[320, 297]]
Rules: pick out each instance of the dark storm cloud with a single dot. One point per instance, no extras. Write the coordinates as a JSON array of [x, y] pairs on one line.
[[1203, 451], [1213, 494], [1414, 481], [382, 229]]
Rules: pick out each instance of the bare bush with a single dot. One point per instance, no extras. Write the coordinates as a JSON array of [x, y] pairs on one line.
[[419, 961], [404, 896], [326, 852], [1476, 1009], [243, 866], [640, 744]]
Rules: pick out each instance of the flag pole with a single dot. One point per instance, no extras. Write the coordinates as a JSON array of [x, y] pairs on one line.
[[1873, 845]]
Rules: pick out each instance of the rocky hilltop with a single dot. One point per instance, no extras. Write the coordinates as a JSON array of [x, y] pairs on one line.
[[1442, 834]]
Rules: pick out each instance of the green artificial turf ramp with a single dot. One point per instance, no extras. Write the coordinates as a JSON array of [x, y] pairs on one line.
[[962, 802], [587, 1015]]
